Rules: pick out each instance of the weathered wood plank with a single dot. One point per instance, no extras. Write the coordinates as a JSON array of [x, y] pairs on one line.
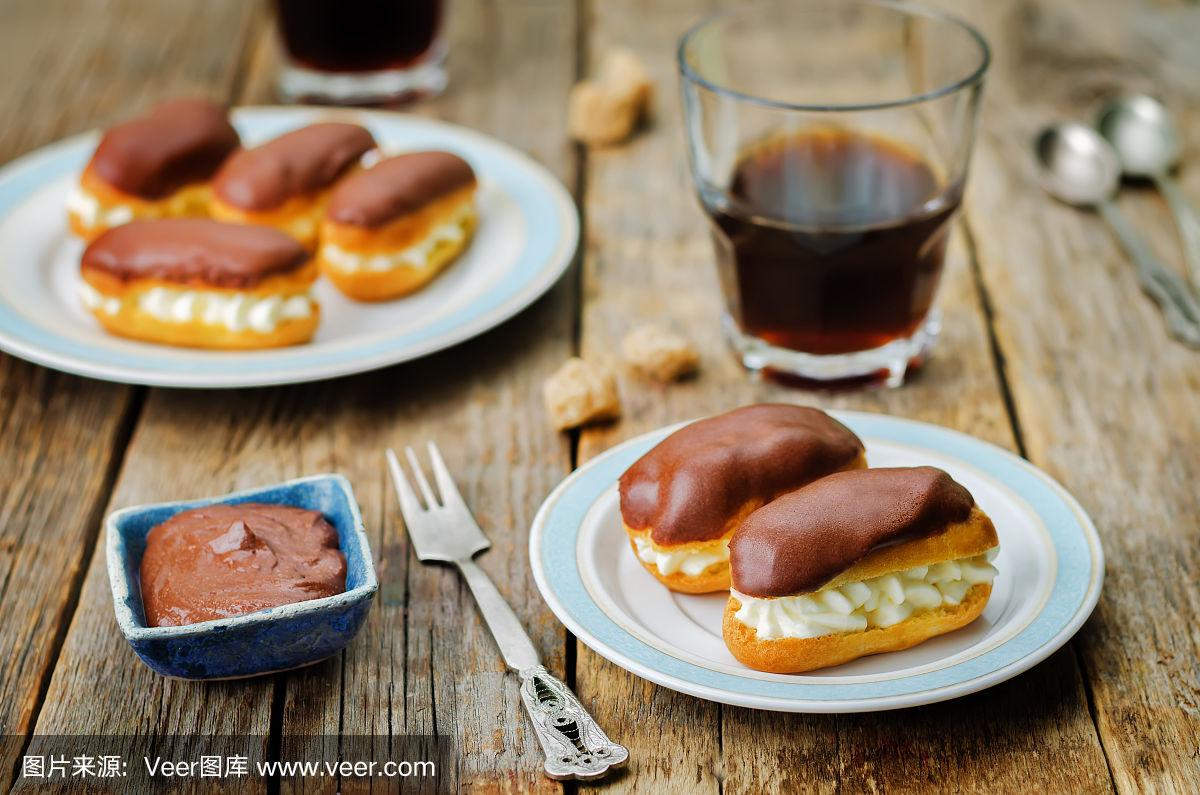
[[71, 66], [641, 266], [60, 438], [68, 67], [1108, 404]]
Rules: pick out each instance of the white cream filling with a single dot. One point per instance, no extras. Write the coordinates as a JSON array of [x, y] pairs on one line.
[[690, 562], [234, 311], [87, 208], [97, 302], [878, 602], [452, 231]]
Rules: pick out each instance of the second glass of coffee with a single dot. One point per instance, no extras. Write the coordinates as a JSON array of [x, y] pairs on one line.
[[361, 52], [829, 142]]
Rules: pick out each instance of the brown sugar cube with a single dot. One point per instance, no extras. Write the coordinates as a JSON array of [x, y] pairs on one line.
[[659, 353], [605, 110], [580, 392], [599, 116], [624, 73]]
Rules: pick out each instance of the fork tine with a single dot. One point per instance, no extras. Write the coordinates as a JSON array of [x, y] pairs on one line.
[[410, 506], [422, 483], [445, 482]]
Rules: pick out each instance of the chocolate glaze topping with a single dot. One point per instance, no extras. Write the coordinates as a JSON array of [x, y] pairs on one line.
[[299, 162], [228, 560], [694, 482], [175, 144], [804, 539], [189, 250], [397, 186]]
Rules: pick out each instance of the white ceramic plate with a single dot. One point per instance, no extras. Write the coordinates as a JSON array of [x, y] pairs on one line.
[[1051, 569], [527, 235]]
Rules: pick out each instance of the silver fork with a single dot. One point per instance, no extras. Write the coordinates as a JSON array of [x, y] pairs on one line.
[[444, 530]]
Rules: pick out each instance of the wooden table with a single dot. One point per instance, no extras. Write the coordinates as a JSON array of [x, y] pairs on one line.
[[1048, 350]]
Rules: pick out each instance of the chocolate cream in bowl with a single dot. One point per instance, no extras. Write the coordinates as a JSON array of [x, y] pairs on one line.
[[229, 560]]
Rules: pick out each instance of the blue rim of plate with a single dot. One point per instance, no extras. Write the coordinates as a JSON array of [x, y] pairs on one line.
[[553, 226], [1078, 578]]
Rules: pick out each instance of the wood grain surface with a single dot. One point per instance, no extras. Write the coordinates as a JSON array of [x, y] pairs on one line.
[[1047, 349], [1106, 402]]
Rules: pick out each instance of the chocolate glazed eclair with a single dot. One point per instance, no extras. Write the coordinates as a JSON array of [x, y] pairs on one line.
[[285, 182], [155, 166], [390, 229], [681, 501], [200, 283], [857, 563]]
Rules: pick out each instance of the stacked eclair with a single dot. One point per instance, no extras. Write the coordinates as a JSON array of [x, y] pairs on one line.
[[824, 559], [683, 500], [196, 241]]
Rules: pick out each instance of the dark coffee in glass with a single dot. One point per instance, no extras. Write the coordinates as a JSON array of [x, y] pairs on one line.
[[361, 51], [829, 142], [358, 35], [831, 241]]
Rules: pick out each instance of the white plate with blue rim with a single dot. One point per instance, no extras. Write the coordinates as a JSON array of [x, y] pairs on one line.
[[526, 238], [1051, 567]]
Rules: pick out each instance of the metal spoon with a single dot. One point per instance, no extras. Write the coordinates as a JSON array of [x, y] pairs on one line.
[[1148, 146], [1079, 167]]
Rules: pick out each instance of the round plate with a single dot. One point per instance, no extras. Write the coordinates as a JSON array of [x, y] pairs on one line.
[[1050, 562], [527, 235]]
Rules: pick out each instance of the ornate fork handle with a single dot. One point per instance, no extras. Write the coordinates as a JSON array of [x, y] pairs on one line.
[[574, 745]]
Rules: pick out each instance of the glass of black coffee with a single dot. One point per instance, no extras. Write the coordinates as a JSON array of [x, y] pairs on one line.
[[361, 52], [829, 142]]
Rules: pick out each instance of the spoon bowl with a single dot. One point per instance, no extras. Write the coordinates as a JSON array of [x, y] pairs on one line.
[[1147, 144], [1142, 134], [1076, 165]]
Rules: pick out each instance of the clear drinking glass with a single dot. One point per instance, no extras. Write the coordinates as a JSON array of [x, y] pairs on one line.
[[829, 142], [360, 52]]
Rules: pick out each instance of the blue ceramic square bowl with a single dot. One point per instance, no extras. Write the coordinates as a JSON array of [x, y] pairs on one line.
[[269, 640]]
